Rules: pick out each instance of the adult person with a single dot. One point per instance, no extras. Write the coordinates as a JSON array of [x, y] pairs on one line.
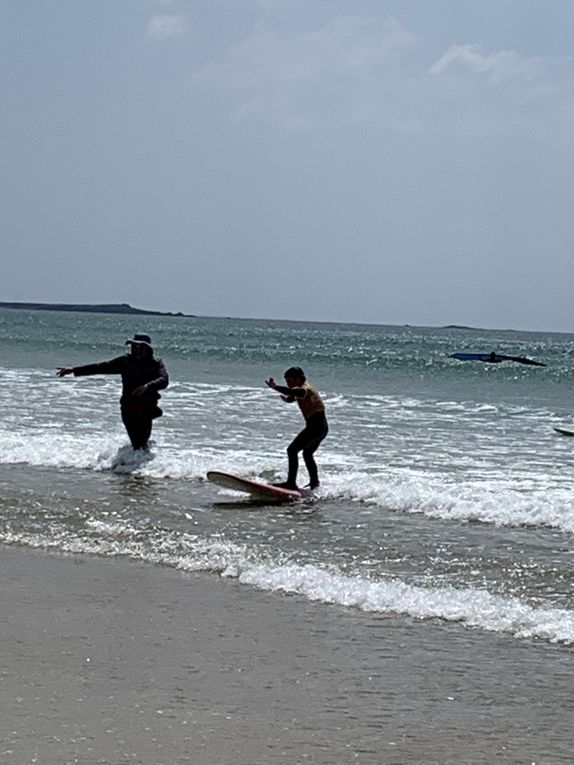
[[142, 377], [311, 404]]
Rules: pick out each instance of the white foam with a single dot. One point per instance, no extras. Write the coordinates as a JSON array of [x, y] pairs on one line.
[[521, 499], [473, 608], [469, 607], [59, 450], [458, 461], [490, 502]]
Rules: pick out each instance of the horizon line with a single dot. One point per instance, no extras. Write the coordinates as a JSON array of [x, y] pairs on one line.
[[133, 311]]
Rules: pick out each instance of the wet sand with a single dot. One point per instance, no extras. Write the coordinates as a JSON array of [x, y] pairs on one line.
[[106, 662]]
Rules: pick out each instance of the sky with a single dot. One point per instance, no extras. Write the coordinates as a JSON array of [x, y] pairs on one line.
[[371, 161]]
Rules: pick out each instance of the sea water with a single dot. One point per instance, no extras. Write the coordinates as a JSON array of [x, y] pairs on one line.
[[445, 492]]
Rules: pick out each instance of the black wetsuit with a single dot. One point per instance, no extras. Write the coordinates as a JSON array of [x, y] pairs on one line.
[[307, 441], [310, 438], [138, 412]]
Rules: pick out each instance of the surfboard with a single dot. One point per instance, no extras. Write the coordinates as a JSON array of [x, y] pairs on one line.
[[255, 488], [566, 430], [470, 356], [495, 358]]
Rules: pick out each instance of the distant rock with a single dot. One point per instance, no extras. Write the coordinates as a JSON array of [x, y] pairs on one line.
[[123, 308]]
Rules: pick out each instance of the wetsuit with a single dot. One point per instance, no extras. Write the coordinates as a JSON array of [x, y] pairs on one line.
[[308, 440], [138, 412]]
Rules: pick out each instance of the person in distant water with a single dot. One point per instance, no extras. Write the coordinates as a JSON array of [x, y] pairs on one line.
[[316, 427], [142, 377]]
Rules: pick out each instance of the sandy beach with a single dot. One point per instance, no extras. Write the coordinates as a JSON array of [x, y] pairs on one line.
[[109, 661]]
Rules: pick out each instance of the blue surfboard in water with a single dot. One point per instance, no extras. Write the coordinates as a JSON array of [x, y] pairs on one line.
[[494, 358]]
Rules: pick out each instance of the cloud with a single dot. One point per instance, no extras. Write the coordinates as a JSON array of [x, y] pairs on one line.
[[289, 79], [497, 67], [502, 93], [377, 73], [165, 26]]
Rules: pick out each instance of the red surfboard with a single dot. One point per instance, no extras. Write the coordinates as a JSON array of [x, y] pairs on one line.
[[256, 489]]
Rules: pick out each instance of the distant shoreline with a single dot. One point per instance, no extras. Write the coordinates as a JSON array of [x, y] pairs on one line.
[[121, 308], [127, 310]]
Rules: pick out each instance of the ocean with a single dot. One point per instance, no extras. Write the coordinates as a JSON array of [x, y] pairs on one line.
[[446, 496]]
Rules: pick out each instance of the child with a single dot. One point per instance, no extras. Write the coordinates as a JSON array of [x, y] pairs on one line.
[[316, 427]]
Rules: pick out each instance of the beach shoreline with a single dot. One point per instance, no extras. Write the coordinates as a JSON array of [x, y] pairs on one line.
[[110, 661]]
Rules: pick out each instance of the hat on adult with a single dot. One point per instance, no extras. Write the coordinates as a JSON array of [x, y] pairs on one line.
[[140, 339]]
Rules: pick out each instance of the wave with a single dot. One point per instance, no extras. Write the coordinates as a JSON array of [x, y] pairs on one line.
[[522, 501], [488, 502], [472, 608]]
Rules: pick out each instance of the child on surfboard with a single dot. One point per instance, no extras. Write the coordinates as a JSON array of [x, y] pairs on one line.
[[316, 428]]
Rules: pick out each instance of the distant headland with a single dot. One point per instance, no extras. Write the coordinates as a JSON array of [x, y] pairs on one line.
[[123, 308]]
